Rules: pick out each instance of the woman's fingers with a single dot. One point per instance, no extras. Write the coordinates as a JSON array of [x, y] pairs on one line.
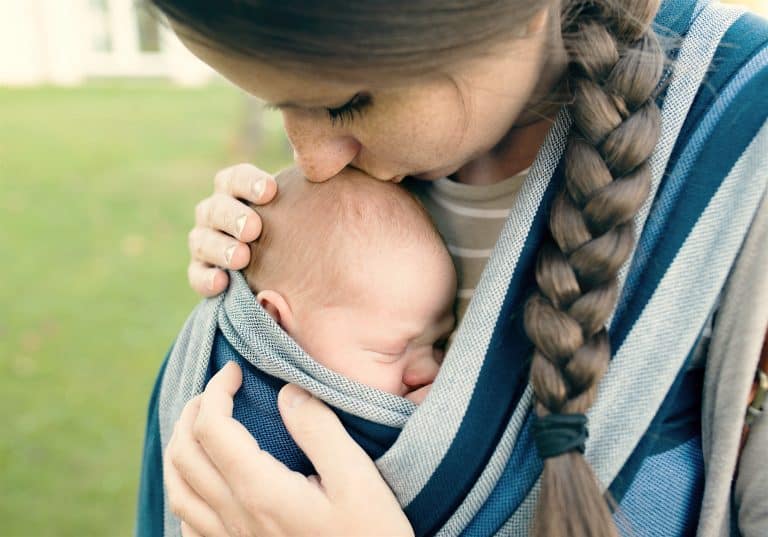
[[247, 182], [338, 459], [223, 224], [344, 468], [198, 472], [188, 531], [227, 214], [211, 248], [269, 498], [233, 450], [188, 506], [217, 248], [183, 501], [205, 279], [219, 393], [217, 431]]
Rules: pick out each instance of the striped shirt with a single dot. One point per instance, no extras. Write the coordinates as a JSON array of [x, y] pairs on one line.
[[469, 218]]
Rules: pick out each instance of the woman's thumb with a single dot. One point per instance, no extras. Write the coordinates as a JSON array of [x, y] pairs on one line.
[[319, 433]]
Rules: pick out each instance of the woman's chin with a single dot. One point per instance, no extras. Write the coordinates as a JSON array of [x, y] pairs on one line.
[[438, 173]]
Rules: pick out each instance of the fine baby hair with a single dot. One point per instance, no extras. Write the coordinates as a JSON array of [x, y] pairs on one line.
[[316, 235]]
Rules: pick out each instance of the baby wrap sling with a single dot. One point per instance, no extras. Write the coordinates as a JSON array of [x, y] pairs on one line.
[[464, 461]]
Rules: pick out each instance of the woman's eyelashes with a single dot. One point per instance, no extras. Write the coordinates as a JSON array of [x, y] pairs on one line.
[[346, 112]]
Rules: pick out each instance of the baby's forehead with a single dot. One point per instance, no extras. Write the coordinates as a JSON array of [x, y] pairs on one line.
[[403, 279], [333, 237], [351, 205]]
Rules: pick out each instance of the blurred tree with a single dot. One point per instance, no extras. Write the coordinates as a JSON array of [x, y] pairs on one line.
[[252, 128]]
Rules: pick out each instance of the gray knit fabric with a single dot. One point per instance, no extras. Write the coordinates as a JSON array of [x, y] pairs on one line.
[[413, 458], [733, 355]]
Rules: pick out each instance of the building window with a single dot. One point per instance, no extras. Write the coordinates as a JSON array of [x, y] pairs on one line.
[[149, 30], [101, 37]]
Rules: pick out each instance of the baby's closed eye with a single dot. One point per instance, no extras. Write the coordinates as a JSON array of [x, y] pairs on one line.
[[386, 357]]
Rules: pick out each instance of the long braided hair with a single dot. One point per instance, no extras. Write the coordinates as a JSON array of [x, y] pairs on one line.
[[615, 65]]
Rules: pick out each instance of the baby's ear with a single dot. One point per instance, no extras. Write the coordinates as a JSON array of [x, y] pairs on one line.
[[277, 307]]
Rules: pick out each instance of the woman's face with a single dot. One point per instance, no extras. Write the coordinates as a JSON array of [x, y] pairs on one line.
[[429, 127]]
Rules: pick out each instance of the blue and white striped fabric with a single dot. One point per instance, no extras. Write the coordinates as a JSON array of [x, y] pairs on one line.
[[463, 462]]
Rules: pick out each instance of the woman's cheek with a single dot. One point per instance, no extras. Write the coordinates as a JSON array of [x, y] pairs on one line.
[[410, 149]]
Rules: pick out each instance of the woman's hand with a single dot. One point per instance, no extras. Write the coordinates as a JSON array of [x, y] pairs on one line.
[[220, 483], [223, 224]]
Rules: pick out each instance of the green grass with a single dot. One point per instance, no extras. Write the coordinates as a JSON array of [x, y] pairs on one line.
[[97, 189]]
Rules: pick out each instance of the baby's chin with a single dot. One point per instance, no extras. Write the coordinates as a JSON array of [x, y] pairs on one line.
[[417, 396]]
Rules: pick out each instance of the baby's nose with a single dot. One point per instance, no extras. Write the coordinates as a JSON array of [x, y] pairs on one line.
[[420, 371]]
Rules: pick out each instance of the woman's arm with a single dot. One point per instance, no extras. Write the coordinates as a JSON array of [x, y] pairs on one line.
[[220, 483], [223, 224]]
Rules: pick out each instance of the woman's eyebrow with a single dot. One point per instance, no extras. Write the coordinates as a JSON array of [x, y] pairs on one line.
[[285, 104], [282, 105]]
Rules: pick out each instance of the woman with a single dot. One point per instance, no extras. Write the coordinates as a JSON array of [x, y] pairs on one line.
[[468, 91]]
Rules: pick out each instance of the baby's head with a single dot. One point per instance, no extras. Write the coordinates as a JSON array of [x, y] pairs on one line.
[[354, 270]]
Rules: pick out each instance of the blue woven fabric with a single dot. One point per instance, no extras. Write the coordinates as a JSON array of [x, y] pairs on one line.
[[519, 476], [256, 408], [698, 131], [665, 497]]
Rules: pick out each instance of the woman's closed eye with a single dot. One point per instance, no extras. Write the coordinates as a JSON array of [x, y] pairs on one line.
[[346, 112]]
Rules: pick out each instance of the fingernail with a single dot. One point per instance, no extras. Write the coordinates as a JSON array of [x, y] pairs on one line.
[[296, 396], [211, 280], [258, 187], [228, 253], [240, 224]]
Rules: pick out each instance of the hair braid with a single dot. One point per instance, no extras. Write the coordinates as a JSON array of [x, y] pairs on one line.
[[615, 66]]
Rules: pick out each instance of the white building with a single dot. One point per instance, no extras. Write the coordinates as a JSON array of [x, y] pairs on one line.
[[65, 42]]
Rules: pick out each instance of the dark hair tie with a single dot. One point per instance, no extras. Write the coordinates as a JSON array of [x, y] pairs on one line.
[[556, 434]]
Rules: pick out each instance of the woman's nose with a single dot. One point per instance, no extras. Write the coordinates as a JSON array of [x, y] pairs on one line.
[[420, 371], [319, 150]]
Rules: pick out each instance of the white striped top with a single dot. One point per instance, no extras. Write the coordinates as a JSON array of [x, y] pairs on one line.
[[470, 218]]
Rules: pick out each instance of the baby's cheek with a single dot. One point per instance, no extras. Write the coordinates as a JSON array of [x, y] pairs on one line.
[[384, 377], [347, 364], [387, 378]]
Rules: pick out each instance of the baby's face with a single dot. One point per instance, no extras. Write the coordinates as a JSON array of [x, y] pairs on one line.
[[391, 332]]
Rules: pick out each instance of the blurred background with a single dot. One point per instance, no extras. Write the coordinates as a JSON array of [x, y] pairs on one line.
[[110, 132]]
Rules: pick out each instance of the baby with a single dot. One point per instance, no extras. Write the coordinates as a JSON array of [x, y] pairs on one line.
[[355, 272]]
